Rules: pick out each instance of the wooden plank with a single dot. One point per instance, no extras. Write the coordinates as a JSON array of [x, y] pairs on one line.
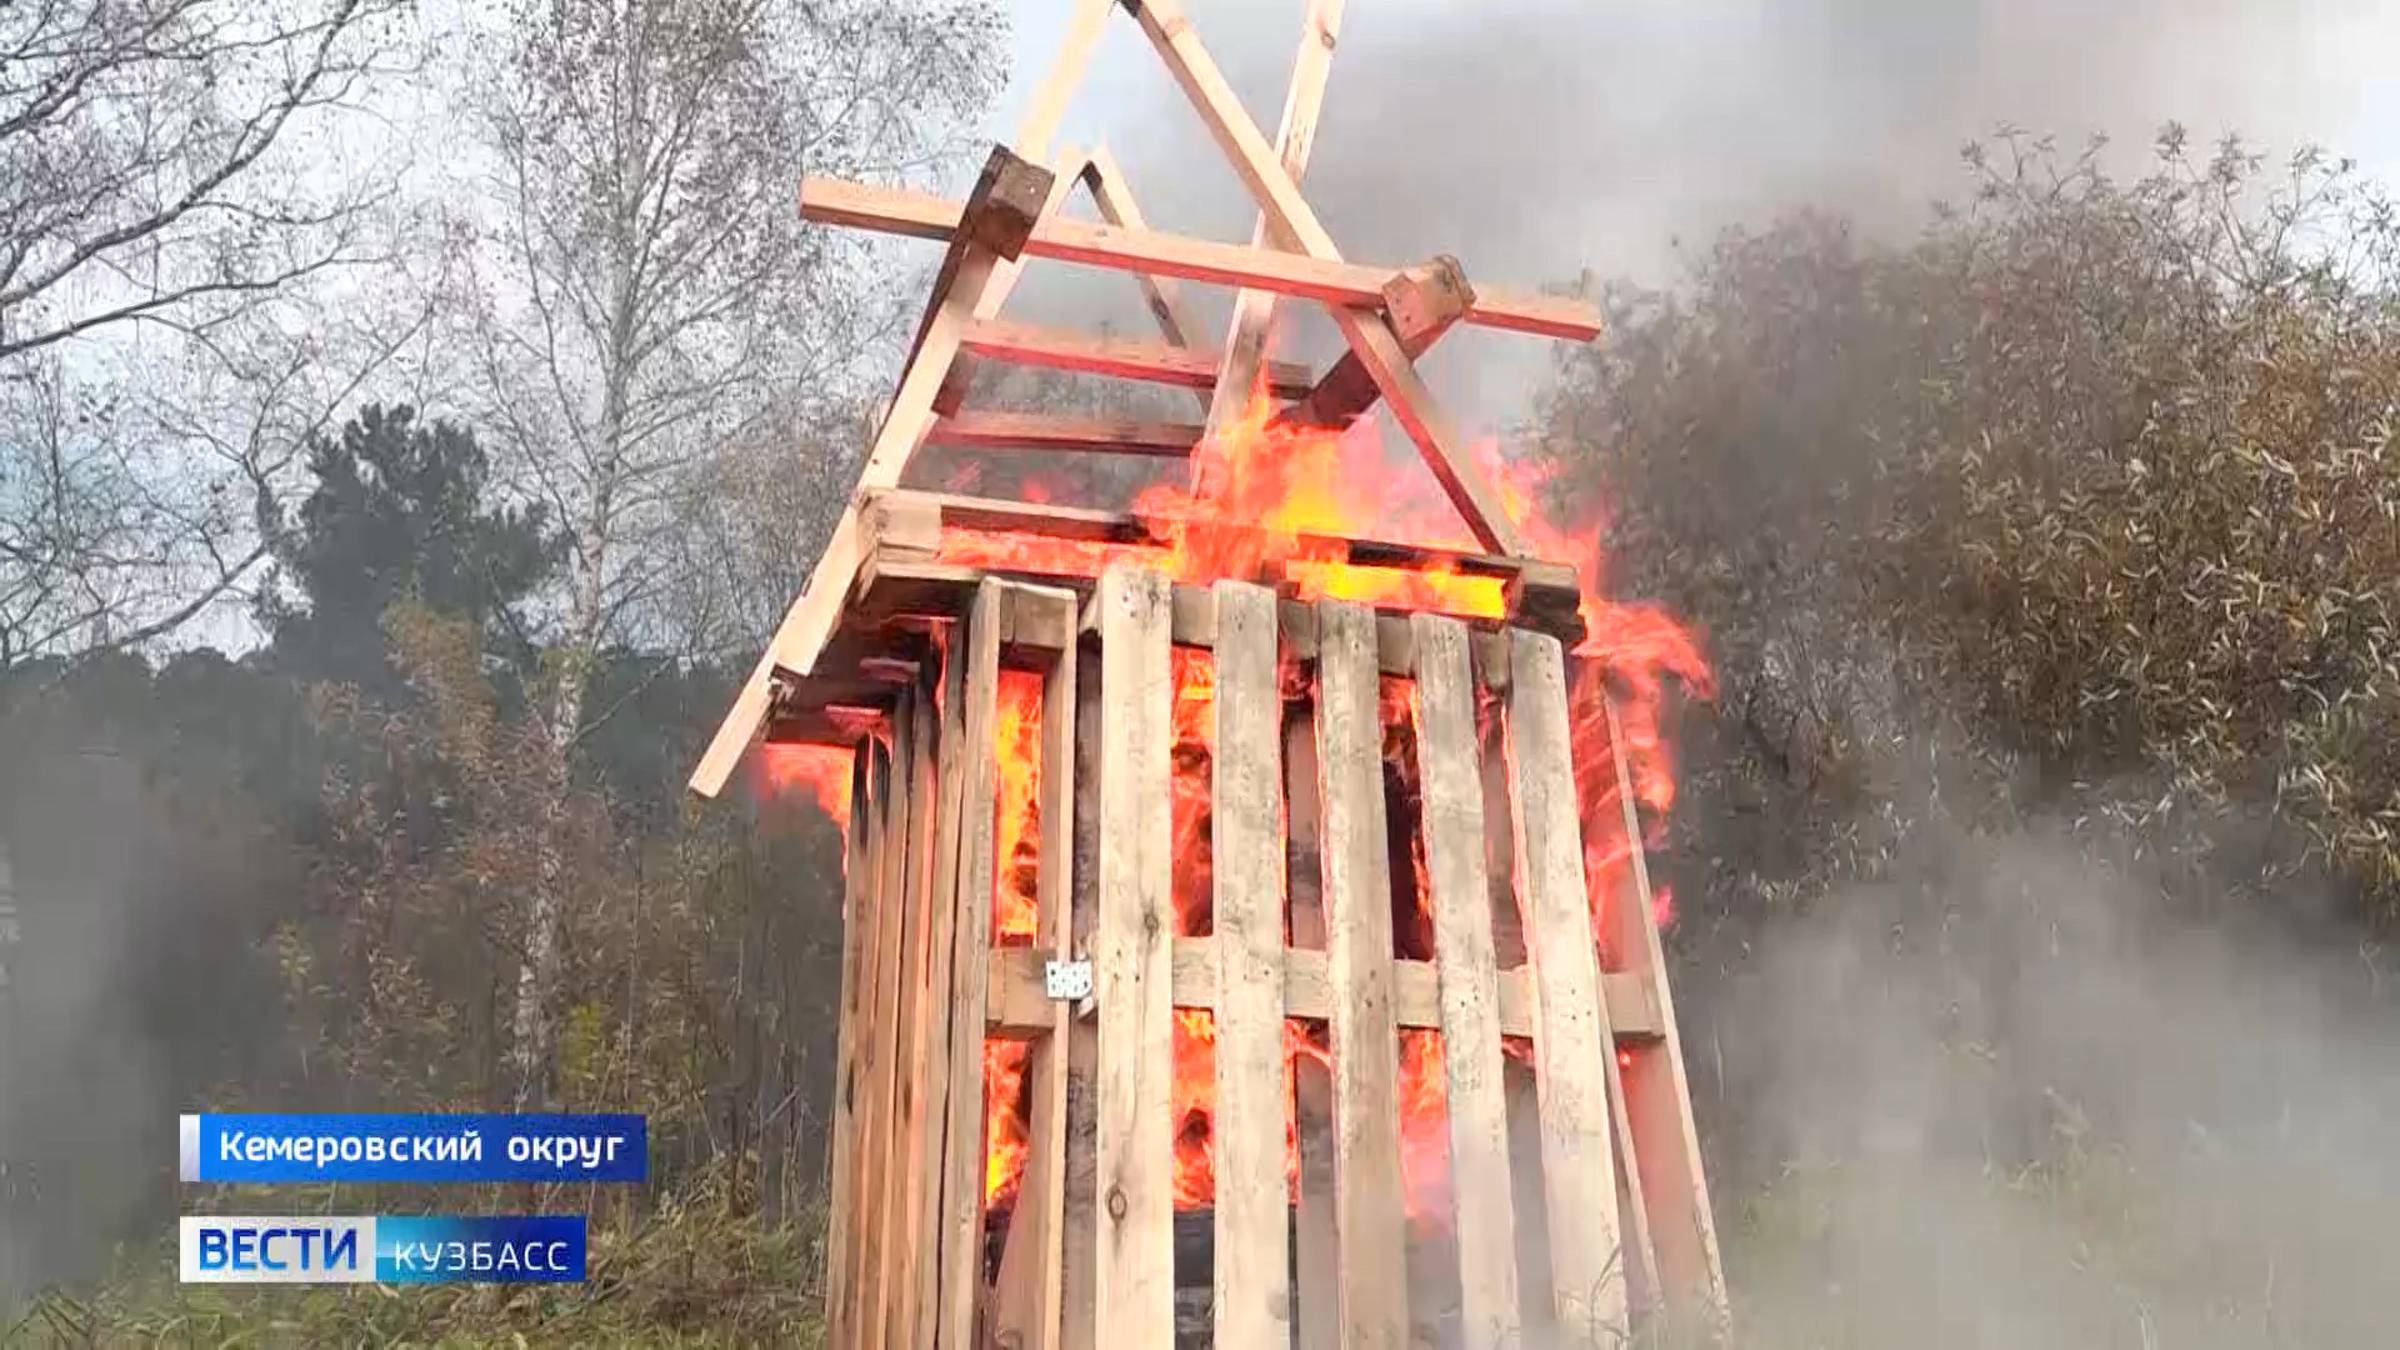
[[1253, 1296], [962, 1166], [938, 1030], [1001, 210], [857, 946], [1572, 1044], [919, 1002], [1117, 357], [1253, 310], [922, 215], [876, 1289], [1017, 1009], [959, 511], [1113, 193], [1657, 1095], [992, 217], [1078, 1302], [1316, 1266], [1135, 1284], [1065, 171], [1425, 301], [1031, 1271], [1044, 431], [1368, 1212], [1366, 330], [1460, 896]]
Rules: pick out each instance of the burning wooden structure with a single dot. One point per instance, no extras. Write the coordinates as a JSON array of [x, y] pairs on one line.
[[1202, 863]]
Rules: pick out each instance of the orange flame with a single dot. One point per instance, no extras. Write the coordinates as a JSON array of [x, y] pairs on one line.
[[1278, 503], [822, 771]]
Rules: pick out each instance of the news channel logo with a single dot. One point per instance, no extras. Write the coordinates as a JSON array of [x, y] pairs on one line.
[[317, 1249], [421, 1148]]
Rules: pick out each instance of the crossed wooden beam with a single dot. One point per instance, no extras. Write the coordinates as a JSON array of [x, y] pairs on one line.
[[1388, 316]]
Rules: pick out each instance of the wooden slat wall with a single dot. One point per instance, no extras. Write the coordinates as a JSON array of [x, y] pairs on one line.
[[1453, 833], [927, 1137], [913, 1004], [1253, 1305], [858, 910], [876, 1290], [1572, 1043], [1089, 1258], [1135, 1278], [1369, 1217], [962, 1168]]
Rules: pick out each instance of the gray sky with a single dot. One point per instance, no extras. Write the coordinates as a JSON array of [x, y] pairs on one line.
[[1535, 138]]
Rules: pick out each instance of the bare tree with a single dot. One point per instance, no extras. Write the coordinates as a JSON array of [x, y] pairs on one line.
[[648, 294], [169, 187]]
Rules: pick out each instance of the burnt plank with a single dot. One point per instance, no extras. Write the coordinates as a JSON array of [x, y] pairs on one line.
[[962, 1156]]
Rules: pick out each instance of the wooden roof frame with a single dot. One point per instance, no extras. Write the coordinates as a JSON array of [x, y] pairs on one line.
[[1388, 316]]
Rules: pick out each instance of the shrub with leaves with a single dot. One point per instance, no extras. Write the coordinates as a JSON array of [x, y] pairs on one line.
[[2084, 503]]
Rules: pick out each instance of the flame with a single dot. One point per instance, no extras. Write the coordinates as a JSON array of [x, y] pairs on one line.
[[822, 771], [1016, 850], [1273, 503]]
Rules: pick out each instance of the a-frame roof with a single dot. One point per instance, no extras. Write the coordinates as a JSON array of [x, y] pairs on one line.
[[1387, 316]]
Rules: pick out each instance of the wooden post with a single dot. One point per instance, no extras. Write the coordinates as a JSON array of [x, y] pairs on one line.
[[1031, 1271], [1246, 337], [1369, 1216], [1571, 1040], [1135, 1293], [917, 1001], [938, 1031], [1657, 1095], [1253, 1296], [1453, 831], [962, 1167], [858, 921]]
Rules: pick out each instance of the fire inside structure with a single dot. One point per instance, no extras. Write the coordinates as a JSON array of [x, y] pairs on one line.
[[989, 1158]]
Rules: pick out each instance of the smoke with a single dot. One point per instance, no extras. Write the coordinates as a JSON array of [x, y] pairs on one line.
[[2012, 1098], [2008, 1095], [1547, 137]]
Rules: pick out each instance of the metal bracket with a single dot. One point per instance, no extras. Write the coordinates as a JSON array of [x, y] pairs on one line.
[[1067, 980]]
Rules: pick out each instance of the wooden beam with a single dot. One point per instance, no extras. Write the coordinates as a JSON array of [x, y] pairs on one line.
[[1460, 896], [1042, 431], [1656, 1093], [1253, 1299], [1573, 1046], [1253, 310], [1425, 301], [1117, 357], [925, 216], [1134, 1297], [1163, 294], [1369, 1215], [1368, 332], [961, 1227], [1064, 172], [1018, 1009], [1007, 183]]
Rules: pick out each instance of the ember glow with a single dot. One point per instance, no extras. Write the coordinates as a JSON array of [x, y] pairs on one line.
[[820, 771], [1277, 503]]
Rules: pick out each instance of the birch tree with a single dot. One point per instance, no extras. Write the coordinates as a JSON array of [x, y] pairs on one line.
[[171, 210], [647, 295]]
